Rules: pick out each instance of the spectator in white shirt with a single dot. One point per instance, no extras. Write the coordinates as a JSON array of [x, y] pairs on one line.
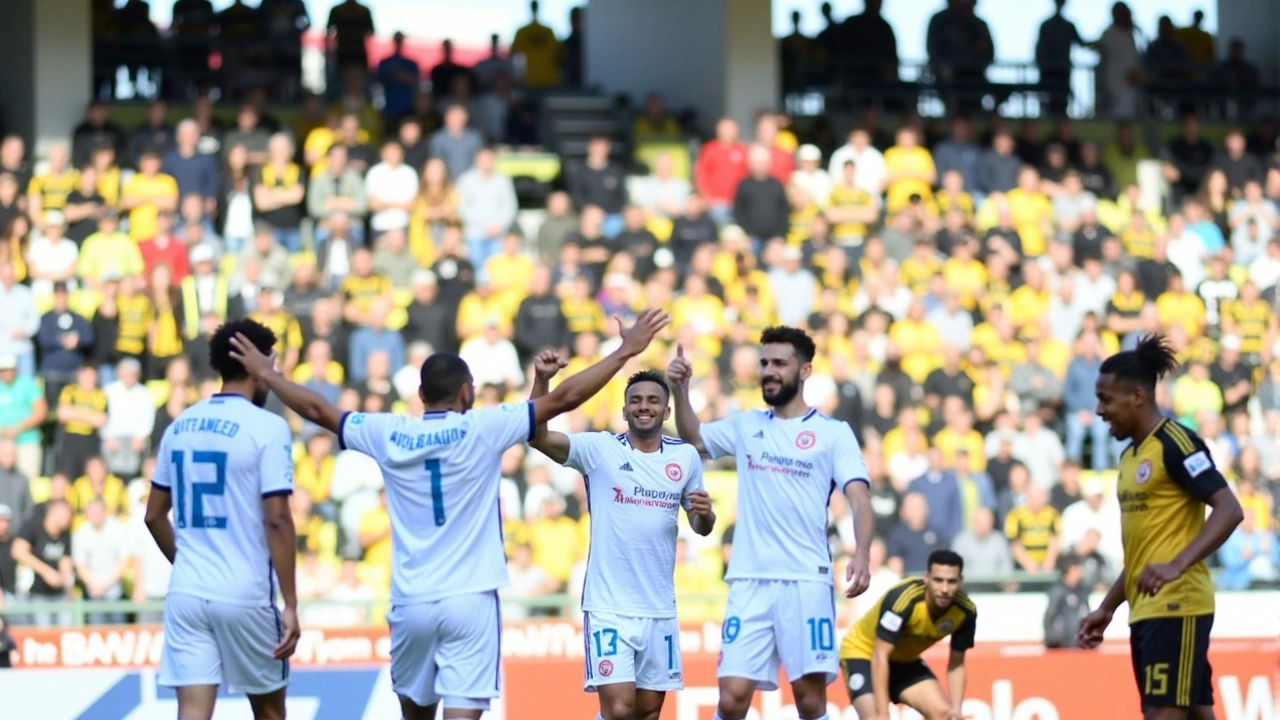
[[1264, 271], [663, 193], [391, 187], [487, 208], [1097, 512], [99, 552], [493, 359], [794, 287], [131, 416], [1186, 251], [1040, 450], [810, 175], [19, 322], [528, 581], [868, 163], [52, 257], [357, 478]]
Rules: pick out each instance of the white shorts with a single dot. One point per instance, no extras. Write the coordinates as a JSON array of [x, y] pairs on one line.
[[772, 623], [640, 650], [449, 649], [213, 643]]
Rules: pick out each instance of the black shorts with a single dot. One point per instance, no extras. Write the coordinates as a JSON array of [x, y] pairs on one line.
[[1171, 661], [857, 677]]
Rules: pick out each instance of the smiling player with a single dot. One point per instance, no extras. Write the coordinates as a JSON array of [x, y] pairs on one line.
[[781, 608], [1166, 479], [636, 484]]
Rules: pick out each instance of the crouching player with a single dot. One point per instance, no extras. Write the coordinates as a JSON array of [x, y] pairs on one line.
[[881, 653]]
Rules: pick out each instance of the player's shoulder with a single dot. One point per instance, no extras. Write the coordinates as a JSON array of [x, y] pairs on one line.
[[966, 605], [828, 424], [903, 595], [1178, 439]]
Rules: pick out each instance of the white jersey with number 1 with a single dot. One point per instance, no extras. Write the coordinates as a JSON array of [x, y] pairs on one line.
[[442, 473], [219, 459], [787, 470]]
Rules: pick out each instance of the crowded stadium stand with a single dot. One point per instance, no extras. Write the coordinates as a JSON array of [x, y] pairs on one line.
[[966, 245]]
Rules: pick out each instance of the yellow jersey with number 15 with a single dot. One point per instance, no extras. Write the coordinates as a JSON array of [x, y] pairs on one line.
[[1164, 481]]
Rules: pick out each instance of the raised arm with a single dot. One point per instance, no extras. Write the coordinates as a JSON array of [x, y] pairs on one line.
[[554, 445], [582, 387], [687, 424], [309, 404]]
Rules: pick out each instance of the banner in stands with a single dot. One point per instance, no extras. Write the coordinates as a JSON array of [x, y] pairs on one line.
[[103, 674]]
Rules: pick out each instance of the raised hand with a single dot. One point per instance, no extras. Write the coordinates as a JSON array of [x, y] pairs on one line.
[[547, 364], [248, 355], [679, 371], [636, 339]]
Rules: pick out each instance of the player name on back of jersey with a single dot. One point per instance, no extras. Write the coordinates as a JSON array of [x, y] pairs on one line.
[[445, 436], [217, 426]]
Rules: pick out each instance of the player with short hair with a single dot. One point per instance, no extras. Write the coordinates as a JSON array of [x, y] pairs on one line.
[[881, 653], [1167, 477], [442, 473], [225, 468], [781, 609], [636, 484]]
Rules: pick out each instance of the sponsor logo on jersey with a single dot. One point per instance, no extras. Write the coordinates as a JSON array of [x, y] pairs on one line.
[[1144, 472], [356, 419], [674, 472], [606, 668], [1197, 463], [647, 498], [780, 465], [806, 440]]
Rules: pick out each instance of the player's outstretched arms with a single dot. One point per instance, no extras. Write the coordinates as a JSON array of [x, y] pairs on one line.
[[554, 445], [688, 427], [309, 404], [581, 387]]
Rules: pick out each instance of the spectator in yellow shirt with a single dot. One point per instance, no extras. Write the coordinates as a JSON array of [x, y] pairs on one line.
[[146, 194], [98, 484], [1176, 305], [1032, 212], [1033, 532], [1195, 393], [49, 190], [655, 123], [909, 170], [850, 209], [374, 534], [108, 253], [553, 538], [541, 50]]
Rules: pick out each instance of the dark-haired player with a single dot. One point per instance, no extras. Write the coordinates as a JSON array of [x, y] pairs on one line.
[[881, 653], [781, 609], [225, 467], [441, 474], [1166, 479], [636, 484]]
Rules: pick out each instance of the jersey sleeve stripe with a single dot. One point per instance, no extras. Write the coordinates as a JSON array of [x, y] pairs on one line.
[[907, 599], [847, 483], [533, 426], [277, 493], [342, 425], [1179, 436]]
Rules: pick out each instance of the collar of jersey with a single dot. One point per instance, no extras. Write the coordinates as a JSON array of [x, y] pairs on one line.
[[812, 411], [228, 395]]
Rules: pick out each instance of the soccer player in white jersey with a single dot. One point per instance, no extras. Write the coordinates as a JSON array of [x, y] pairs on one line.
[[442, 474], [636, 484], [781, 608], [225, 468]]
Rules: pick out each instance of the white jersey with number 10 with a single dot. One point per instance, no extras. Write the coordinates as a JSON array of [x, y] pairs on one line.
[[787, 470], [219, 459], [441, 474]]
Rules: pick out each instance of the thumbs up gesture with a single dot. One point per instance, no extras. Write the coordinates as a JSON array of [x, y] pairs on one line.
[[679, 371]]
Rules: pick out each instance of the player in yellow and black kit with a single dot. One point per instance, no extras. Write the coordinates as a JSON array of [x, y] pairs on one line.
[[881, 654], [1166, 479]]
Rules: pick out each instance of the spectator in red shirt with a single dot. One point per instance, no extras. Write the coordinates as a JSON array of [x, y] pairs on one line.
[[165, 248], [721, 165], [784, 163]]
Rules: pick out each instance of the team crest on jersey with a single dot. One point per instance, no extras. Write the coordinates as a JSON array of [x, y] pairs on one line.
[[946, 626], [1144, 472], [806, 440], [674, 472], [356, 419], [606, 668]]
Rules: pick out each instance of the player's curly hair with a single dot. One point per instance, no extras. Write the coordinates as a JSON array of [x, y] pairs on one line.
[[1145, 364], [795, 337], [652, 376], [227, 367]]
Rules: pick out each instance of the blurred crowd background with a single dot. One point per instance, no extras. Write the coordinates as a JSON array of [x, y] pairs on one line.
[[964, 277]]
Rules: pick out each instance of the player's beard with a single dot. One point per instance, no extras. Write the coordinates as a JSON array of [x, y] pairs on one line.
[[786, 392]]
